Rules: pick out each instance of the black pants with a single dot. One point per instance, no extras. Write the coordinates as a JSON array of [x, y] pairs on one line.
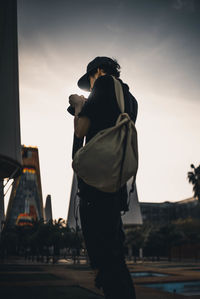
[[104, 237]]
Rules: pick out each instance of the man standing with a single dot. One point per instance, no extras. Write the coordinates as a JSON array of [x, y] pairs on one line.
[[100, 212]]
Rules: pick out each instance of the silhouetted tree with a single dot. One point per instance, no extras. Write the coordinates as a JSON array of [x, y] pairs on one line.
[[40, 240], [162, 239], [171, 236], [154, 245], [190, 228], [194, 179], [136, 237]]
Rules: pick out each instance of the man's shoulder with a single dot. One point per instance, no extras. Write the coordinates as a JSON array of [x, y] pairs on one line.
[[104, 81]]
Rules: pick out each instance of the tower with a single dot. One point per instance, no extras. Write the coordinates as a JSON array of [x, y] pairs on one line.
[[26, 196], [73, 218], [133, 216], [48, 209]]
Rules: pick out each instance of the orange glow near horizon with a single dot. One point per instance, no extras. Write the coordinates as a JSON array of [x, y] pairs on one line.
[[29, 146], [29, 170]]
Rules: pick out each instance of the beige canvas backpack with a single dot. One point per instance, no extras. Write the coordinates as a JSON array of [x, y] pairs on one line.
[[110, 158]]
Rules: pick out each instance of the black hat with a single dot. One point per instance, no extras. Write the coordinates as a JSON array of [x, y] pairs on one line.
[[84, 81]]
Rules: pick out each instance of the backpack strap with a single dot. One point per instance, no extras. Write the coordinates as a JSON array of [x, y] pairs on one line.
[[119, 94], [120, 100]]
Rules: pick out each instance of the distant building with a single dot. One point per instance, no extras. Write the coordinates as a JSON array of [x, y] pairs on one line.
[[26, 195], [132, 217], [165, 212], [48, 209], [187, 208]]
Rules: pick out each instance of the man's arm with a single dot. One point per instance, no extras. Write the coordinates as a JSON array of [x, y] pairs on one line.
[[81, 126]]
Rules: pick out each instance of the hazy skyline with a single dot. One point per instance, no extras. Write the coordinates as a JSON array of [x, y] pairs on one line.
[[157, 45]]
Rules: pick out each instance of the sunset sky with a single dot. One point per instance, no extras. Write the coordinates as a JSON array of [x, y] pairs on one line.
[[157, 44]]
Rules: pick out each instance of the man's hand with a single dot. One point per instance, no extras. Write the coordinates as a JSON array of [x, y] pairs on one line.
[[75, 100]]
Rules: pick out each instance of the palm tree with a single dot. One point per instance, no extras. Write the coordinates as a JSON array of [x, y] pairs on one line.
[[194, 179]]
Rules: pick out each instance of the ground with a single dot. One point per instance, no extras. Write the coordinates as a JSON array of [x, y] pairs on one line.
[[20, 279]]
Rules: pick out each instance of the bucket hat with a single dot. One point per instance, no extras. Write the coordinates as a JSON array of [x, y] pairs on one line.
[[84, 81]]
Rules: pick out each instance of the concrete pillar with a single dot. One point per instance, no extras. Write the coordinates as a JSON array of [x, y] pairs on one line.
[[2, 213], [141, 254], [130, 252]]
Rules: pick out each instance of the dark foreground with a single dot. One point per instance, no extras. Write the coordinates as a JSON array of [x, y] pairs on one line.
[[68, 281]]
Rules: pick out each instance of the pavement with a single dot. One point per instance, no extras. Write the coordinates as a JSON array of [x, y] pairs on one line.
[[64, 280]]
